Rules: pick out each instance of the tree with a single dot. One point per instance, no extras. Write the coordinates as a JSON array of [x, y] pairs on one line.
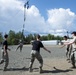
[[11, 37], [29, 38], [44, 38], [14, 37], [49, 36], [1, 38]]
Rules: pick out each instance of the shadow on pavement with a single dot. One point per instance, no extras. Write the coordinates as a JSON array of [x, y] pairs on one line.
[[17, 69], [56, 70]]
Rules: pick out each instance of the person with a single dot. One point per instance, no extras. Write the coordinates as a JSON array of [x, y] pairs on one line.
[[5, 57], [73, 43], [20, 46], [68, 47], [35, 53]]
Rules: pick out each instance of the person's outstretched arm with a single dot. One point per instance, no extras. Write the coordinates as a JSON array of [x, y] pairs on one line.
[[62, 46], [46, 49]]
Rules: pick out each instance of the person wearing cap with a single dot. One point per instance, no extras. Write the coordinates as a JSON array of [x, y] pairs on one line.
[[35, 53], [73, 43], [5, 57]]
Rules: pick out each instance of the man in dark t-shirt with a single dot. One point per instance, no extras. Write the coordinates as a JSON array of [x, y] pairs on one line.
[[5, 57], [37, 45], [35, 53]]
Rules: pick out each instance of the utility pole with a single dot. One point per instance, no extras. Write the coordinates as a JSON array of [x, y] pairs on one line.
[[26, 6]]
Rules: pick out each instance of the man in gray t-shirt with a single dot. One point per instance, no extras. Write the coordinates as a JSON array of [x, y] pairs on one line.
[[73, 43]]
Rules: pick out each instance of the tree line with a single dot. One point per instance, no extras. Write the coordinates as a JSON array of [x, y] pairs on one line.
[[13, 38]]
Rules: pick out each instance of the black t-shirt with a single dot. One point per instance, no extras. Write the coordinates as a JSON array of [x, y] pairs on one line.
[[6, 44], [37, 45]]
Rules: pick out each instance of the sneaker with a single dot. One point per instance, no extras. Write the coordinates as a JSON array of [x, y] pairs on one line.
[[73, 67], [1, 61], [67, 59], [5, 69], [30, 70], [40, 70]]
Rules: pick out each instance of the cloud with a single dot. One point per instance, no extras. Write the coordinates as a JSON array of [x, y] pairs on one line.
[[10, 5], [34, 20], [10, 15], [61, 18], [12, 18]]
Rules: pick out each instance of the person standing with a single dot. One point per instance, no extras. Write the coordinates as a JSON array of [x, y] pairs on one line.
[[73, 43], [20, 46], [68, 47], [35, 53], [5, 57]]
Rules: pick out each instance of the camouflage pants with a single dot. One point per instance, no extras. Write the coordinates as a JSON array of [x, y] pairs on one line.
[[19, 46], [5, 59], [73, 57], [35, 54]]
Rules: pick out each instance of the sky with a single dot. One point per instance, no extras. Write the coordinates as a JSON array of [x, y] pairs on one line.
[[43, 16]]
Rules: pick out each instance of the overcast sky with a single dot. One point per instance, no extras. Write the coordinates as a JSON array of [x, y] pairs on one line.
[[43, 16]]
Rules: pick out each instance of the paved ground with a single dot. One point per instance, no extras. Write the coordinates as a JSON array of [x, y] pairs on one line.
[[54, 63]]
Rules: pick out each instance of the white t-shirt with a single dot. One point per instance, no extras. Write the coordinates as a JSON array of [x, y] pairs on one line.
[[74, 42], [66, 41]]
